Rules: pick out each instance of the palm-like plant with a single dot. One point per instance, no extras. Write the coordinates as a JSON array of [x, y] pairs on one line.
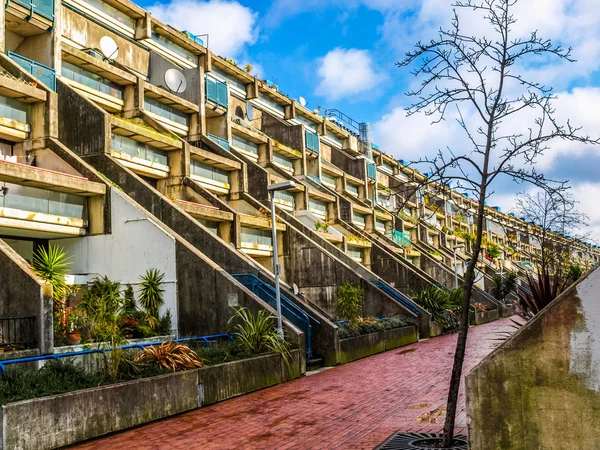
[[171, 356], [151, 294], [543, 292], [52, 265], [256, 332], [441, 304]]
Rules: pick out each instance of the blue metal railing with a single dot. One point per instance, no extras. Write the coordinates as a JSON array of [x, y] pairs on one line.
[[219, 140], [45, 74], [42, 7], [371, 171], [289, 309], [141, 346], [312, 141], [216, 91], [397, 296]]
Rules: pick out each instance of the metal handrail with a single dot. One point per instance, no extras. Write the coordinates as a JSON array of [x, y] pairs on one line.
[[140, 345], [294, 313]]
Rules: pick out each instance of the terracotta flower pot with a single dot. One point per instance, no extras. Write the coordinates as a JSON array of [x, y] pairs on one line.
[[74, 338]]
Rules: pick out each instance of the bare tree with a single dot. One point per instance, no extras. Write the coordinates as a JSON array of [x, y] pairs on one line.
[[553, 216], [480, 81]]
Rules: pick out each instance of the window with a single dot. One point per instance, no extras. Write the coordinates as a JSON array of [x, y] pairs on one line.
[[136, 149], [328, 180], [13, 109], [318, 208], [228, 79], [160, 109], [213, 227], [244, 144], [89, 79], [43, 201], [286, 163], [355, 253], [284, 197], [352, 189], [256, 236], [170, 45], [110, 11], [380, 226], [359, 220], [209, 172]]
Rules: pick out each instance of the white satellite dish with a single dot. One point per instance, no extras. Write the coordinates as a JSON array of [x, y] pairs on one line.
[[175, 81], [302, 101], [108, 47], [249, 111], [295, 289]]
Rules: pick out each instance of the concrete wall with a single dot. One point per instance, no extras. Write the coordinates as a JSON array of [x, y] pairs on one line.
[[135, 244], [290, 135], [541, 388], [24, 294]]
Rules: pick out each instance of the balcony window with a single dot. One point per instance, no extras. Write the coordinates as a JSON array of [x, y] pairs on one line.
[[212, 226], [113, 12], [312, 141], [401, 238], [352, 189], [219, 140], [136, 149], [371, 171], [209, 172], [244, 145], [387, 168], [328, 180], [359, 220], [356, 254], [256, 236], [228, 79], [217, 92], [89, 79], [170, 45], [45, 74], [42, 7], [271, 103], [309, 124], [14, 110], [286, 163], [318, 208], [43, 201], [285, 199], [380, 226], [169, 113]]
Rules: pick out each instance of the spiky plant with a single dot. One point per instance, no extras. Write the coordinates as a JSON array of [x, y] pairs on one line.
[[151, 295], [52, 265], [171, 356], [349, 302], [256, 332], [543, 292]]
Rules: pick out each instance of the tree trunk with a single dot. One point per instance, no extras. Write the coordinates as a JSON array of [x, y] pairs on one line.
[[463, 331]]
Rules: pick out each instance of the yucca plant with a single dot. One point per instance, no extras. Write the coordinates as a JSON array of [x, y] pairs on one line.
[[543, 292], [151, 295], [171, 356], [52, 265], [256, 332], [349, 302]]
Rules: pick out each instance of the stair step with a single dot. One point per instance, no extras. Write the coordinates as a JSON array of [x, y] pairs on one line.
[[314, 363]]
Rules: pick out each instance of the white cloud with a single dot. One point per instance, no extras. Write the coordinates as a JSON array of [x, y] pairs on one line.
[[347, 72], [230, 25]]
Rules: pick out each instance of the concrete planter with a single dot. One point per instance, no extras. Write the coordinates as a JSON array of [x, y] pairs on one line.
[[365, 345], [436, 329], [399, 337], [482, 317], [59, 420]]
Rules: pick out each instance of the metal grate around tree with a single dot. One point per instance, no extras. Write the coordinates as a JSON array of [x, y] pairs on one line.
[[421, 441]]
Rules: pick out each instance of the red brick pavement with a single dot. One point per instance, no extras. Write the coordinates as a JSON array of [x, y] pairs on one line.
[[354, 406]]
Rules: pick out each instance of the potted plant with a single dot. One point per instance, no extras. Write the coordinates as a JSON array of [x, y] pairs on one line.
[[73, 327]]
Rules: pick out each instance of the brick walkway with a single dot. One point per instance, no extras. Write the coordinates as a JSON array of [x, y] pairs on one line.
[[355, 406]]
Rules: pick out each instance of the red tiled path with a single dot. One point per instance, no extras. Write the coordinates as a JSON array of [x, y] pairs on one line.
[[354, 406]]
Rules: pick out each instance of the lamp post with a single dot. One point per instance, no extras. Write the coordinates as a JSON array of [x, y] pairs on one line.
[[283, 186], [456, 247]]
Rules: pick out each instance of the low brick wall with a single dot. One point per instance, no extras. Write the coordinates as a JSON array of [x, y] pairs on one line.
[[59, 420], [365, 345]]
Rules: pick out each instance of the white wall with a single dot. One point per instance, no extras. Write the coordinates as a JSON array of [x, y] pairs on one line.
[[136, 244]]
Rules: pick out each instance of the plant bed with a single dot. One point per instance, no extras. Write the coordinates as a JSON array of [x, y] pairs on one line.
[[481, 317], [63, 419], [400, 337], [364, 345]]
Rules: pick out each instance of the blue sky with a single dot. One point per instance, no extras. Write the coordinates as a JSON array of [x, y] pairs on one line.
[[341, 54]]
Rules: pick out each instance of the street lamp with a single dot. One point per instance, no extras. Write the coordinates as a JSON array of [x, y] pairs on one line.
[[283, 186], [456, 247]]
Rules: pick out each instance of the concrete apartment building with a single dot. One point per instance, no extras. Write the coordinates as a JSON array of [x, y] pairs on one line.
[[131, 145]]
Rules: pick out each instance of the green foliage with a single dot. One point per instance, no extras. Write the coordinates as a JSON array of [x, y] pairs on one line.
[[493, 251], [574, 272], [256, 332], [319, 225], [221, 352], [367, 326], [349, 302], [504, 285], [52, 265], [102, 301], [165, 324], [543, 291], [151, 295], [443, 305]]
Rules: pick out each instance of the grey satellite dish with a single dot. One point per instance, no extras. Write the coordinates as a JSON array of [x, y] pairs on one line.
[[175, 81], [295, 289], [108, 47], [249, 111], [302, 101]]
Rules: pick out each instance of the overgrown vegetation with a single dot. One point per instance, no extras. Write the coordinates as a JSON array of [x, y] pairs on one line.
[[372, 325], [443, 305], [349, 302], [504, 285]]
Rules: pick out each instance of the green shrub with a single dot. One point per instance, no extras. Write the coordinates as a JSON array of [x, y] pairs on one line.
[[349, 302], [504, 285], [347, 330], [493, 251], [151, 295], [443, 305], [222, 352]]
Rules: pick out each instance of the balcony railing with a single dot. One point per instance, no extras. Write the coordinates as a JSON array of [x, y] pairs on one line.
[[42, 7], [219, 140], [312, 141], [17, 332], [371, 171], [37, 200], [45, 74], [401, 238], [216, 91]]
